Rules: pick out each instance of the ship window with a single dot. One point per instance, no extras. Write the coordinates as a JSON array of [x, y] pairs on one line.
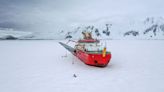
[[93, 47]]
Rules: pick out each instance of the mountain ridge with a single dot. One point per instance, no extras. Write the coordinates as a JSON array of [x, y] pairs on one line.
[[149, 28]]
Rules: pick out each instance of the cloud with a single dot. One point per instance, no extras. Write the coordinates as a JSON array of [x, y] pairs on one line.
[[53, 15]]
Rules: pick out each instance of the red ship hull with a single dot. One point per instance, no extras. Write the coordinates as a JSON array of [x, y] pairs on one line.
[[94, 59]]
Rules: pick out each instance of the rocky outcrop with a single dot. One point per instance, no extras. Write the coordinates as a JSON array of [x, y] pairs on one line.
[[133, 33]]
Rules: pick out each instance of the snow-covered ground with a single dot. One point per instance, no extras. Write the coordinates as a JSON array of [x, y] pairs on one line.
[[41, 66]]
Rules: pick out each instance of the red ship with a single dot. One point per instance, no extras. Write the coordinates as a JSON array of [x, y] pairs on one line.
[[90, 51]]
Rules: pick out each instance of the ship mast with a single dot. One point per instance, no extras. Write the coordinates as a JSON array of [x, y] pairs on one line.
[[87, 35]]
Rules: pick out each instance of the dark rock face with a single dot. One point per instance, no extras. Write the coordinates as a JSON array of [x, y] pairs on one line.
[[149, 20], [9, 37], [162, 27], [89, 28], [97, 32], [134, 33], [68, 36], [74, 75], [153, 29], [106, 31], [92, 27]]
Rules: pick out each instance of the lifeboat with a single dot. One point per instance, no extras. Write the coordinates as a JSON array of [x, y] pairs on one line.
[[89, 51]]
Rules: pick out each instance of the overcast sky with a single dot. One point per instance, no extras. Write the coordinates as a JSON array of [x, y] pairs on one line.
[[38, 15]]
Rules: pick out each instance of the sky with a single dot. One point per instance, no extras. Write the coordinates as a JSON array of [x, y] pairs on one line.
[[53, 15]]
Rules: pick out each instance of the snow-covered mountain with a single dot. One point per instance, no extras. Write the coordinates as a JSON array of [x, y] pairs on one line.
[[10, 34], [105, 28], [150, 28]]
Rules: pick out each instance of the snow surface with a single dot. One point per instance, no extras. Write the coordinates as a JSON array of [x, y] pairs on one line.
[[41, 66]]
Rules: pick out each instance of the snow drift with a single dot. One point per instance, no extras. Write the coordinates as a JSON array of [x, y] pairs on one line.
[[41, 66]]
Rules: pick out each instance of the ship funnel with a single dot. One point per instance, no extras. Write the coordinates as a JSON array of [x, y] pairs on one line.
[[104, 52]]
